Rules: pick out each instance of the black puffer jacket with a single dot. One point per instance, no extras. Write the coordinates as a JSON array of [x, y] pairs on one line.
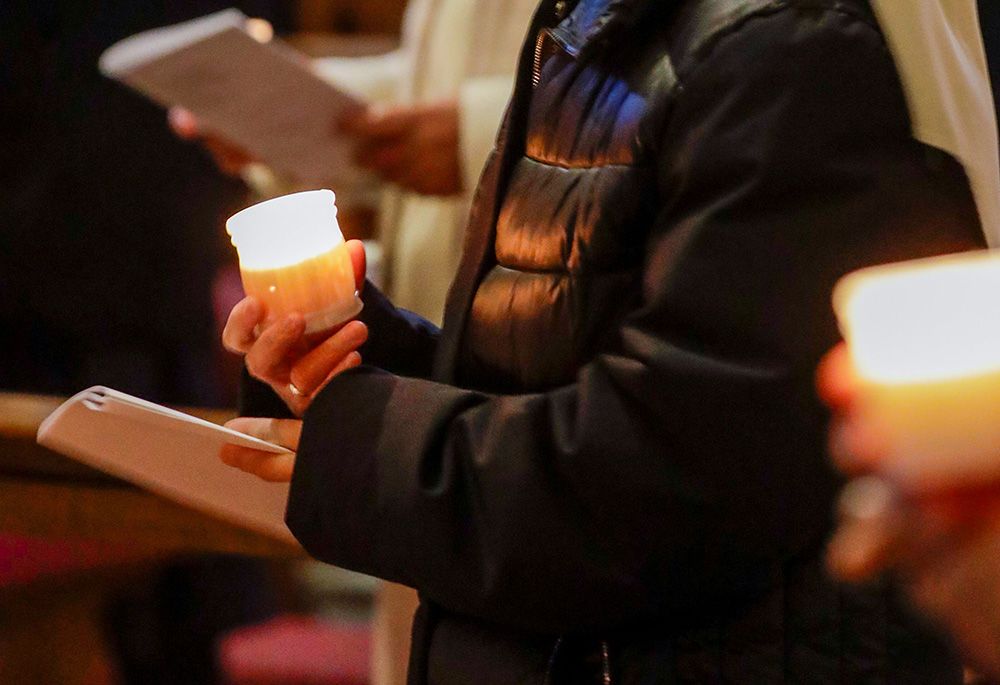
[[618, 473]]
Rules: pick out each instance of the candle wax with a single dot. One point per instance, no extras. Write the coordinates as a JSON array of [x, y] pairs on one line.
[[321, 288]]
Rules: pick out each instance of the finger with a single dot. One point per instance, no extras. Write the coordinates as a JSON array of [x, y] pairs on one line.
[[349, 362], [351, 119], [269, 359], [859, 552], [836, 378], [965, 506], [946, 585], [380, 123], [296, 403], [869, 534], [238, 335], [352, 360], [312, 370], [359, 261], [276, 468], [855, 446], [441, 177], [183, 123], [961, 607], [229, 159], [283, 432]]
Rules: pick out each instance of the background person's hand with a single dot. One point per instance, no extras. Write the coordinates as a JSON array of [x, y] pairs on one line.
[[415, 147], [230, 158], [294, 364], [266, 465]]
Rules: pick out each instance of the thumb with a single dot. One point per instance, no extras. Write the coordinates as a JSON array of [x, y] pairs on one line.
[[283, 432], [183, 123], [836, 379], [358, 261]]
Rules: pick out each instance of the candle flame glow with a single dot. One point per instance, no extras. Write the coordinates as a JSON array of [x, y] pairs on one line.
[[293, 258], [923, 321], [286, 230]]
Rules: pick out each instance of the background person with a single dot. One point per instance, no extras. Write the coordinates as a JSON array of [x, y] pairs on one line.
[[946, 545]]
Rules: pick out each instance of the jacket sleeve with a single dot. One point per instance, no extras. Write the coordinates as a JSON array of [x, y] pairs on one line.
[[399, 341], [681, 469]]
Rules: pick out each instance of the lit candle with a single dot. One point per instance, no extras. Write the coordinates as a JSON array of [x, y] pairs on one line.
[[925, 339], [293, 258]]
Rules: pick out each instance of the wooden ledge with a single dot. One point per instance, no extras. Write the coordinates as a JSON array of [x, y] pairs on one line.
[[47, 495]]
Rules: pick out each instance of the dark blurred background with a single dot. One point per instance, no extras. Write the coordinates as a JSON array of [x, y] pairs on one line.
[[111, 237], [110, 228]]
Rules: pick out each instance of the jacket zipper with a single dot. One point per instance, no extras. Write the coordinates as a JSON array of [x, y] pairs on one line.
[[536, 73], [560, 10], [544, 34]]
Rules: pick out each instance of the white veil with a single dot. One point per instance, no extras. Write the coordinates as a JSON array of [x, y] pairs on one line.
[[938, 48]]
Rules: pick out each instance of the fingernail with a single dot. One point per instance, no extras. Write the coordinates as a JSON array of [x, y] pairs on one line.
[[357, 332], [254, 306], [181, 120]]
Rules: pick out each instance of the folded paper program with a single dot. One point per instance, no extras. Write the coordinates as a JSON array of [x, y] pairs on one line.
[[261, 96], [167, 452]]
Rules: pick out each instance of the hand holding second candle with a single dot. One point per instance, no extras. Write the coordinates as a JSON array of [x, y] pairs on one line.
[[943, 543], [295, 365]]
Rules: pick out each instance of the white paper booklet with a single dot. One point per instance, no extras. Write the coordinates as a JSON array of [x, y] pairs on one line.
[[168, 452], [262, 96]]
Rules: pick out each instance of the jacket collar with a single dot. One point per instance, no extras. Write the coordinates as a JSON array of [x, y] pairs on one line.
[[595, 22]]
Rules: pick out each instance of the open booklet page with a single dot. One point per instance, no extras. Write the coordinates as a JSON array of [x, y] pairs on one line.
[[167, 452], [261, 96]]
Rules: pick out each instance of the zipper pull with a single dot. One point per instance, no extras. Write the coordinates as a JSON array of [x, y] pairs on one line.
[[561, 8]]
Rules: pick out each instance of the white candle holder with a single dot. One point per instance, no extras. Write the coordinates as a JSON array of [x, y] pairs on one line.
[[924, 337], [293, 258]]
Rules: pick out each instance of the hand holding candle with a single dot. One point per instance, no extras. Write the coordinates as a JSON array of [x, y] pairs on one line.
[[913, 394], [279, 349], [293, 259]]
